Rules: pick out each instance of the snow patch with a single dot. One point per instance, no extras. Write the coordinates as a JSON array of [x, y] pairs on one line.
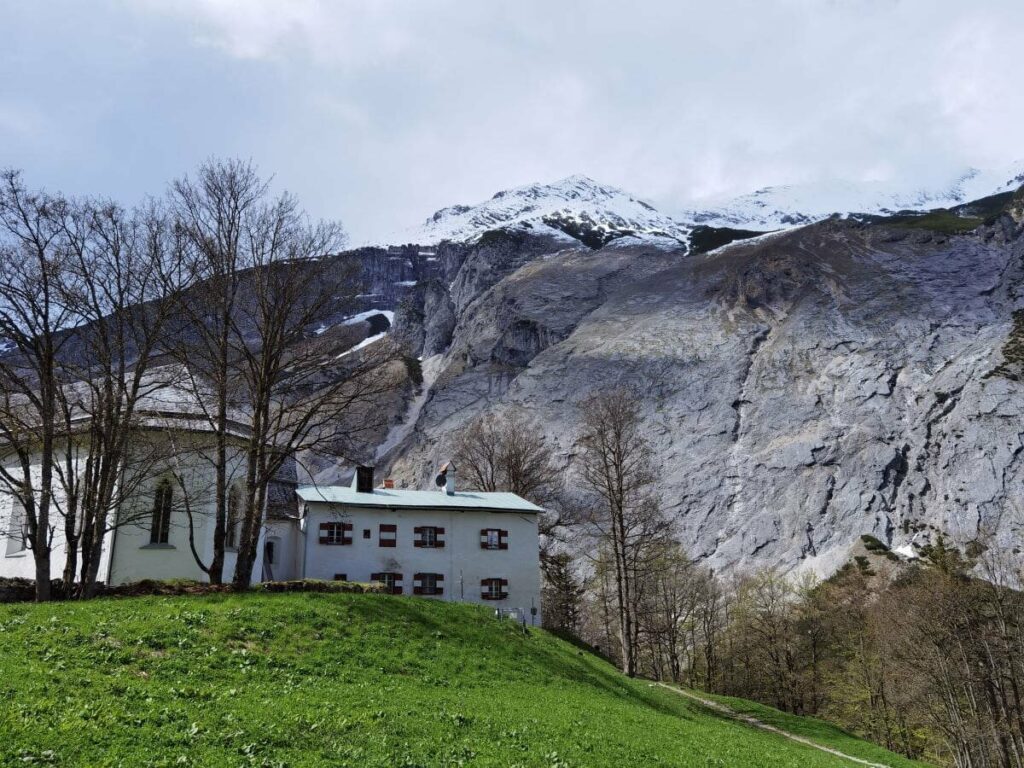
[[907, 551], [360, 317], [364, 343]]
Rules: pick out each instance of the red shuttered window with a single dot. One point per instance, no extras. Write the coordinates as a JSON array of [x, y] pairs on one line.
[[494, 589], [428, 584], [336, 533], [392, 581], [388, 536], [428, 536], [493, 538]]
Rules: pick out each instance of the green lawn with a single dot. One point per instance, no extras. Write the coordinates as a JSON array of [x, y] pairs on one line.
[[816, 730], [306, 679]]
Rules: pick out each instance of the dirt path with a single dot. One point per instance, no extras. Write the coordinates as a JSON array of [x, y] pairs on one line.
[[749, 720]]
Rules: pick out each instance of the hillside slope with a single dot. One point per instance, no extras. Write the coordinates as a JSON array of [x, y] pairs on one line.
[[340, 680]]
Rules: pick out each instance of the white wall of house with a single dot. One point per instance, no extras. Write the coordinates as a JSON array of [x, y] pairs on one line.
[[129, 554], [462, 561], [15, 557], [136, 557], [286, 539]]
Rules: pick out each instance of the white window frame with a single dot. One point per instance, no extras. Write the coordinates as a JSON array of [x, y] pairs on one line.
[[17, 541], [335, 533]]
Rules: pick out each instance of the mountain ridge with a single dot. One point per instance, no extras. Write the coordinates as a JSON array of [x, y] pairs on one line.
[[580, 209]]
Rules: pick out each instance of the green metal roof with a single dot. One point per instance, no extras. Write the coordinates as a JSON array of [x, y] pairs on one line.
[[388, 497]]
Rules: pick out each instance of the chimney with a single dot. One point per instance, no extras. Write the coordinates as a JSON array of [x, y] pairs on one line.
[[364, 479], [389, 483]]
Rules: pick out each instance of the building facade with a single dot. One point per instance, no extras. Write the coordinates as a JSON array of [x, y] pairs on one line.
[[463, 546], [155, 527]]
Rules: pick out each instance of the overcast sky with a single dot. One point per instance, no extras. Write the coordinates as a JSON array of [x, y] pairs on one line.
[[378, 112]]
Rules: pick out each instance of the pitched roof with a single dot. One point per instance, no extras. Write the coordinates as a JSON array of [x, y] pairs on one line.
[[388, 497]]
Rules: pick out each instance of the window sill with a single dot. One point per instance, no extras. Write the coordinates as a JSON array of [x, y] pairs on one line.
[[158, 546]]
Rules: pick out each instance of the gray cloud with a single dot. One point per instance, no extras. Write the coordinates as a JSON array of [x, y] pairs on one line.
[[378, 112]]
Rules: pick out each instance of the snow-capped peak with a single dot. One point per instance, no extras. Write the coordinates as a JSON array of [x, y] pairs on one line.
[[779, 207], [576, 208]]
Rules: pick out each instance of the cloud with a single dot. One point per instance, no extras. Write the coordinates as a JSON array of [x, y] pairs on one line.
[[344, 32], [381, 112]]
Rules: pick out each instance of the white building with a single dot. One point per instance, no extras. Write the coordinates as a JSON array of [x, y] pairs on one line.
[[461, 546], [464, 546], [170, 506]]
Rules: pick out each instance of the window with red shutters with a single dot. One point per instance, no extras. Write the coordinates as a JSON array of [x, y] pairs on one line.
[[493, 589], [428, 584], [493, 538], [428, 536], [388, 535], [335, 533], [391, 581]]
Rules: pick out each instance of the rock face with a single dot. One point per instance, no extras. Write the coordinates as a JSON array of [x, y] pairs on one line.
[[800, 389]]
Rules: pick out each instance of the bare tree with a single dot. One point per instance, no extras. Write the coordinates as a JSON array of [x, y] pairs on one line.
[[118, 281], [263, 279], [210, 217], [508, 452], [33, 327], [616, 466]]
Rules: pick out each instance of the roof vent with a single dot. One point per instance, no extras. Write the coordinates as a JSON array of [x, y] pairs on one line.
[[446, 478], [364, 479]]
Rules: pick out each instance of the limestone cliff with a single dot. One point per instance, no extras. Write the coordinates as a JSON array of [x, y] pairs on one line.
[[801, 389]]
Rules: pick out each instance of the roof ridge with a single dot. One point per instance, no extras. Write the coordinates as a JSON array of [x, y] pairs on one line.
[[423, 498]]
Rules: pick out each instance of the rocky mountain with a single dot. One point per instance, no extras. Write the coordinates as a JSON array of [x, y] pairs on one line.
[[802, 389]]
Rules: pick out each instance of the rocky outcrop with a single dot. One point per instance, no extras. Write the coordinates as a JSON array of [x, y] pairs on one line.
[[425, 319], [800, 390]]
